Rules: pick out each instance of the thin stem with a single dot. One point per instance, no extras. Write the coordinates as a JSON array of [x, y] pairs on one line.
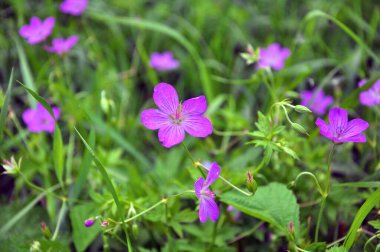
[[226, 181], [193, 160], [286, 114], [370, 240], [323, 203], [329, 167], [261, 165], [231, 133], [59, 221], [314, 179], [335, 242], [214, 231], [39, 189]]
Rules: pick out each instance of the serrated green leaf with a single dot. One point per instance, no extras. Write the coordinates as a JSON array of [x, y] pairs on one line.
[[338, 249], [375, 224], [273, 203]]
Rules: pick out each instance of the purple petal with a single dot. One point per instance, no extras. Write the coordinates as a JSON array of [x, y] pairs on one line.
[[355, 127], [72, 40], [197, 126], [166, 98], [56, 112], [154, 119], [338, 118], [198, 185], [49, 24], [362, 83], [195, 106], [324, 128], [209, 208], [212, 175], [366, 98], [35, 21], [360, 138], [171, 135]]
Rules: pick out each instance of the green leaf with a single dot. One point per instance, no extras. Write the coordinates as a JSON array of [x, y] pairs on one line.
[[317, 247], [364, 210], [48, 245], [4, 108], [375, 224], [83, 236], [273, 203], [338, 249]]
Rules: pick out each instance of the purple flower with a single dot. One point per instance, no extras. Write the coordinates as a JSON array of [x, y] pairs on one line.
[[316, 100], [89, 222], [172, 118], [163, 61], [370, 97], [39, 119], [61, 46], [236, 214], [37, 31], [340, 129], [273, 56], [207, 204], [73, 7]]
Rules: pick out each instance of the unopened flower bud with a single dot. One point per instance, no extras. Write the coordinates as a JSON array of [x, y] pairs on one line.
[[106, 104], [302, 109], [89, 222], [131, 211], [36, 246], [135, 229], [251, 183], [45, 230], [299, 128], [104, 223], [251, 55], [11, 167]]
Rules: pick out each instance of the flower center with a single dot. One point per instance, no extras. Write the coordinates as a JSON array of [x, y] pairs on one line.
[[207, 193], [339, 131], [177, 117]]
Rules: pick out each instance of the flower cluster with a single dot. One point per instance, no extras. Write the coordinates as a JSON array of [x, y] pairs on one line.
[[316, 101], [39, 119], [163, 61], [39, 30], [274, 56]]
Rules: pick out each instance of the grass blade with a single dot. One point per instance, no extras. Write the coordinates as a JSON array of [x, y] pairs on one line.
[[4, 108], [364, 210]]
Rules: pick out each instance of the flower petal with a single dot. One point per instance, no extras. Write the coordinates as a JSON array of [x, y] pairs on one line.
[[171, 135], [198, 185], [355, 127], [212, 175], [338, 118], [211, 208], [195, 106], [360, 138], [202, 211], [324, 128], [367, 99], [197, 126], [56, 112], [166, 98], [154, 119]]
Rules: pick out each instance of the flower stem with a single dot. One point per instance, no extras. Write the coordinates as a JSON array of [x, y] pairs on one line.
[[193, 160], [226, 181], [59, 221], [326, 193], [314, 178]]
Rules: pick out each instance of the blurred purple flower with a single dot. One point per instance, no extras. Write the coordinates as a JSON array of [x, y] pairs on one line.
[[89, 222], [370, 97], [61, 46], [172, 118], [316, 101], [340, 129], [236, 214], [273, 56], [39, 119], [207, 204], [37, 31], [163, 61], [73, 7]]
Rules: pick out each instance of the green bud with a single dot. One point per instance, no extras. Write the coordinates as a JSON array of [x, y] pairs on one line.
[[291, 185], [45, 230], [299, 128], [302, 109], [251, 183], [135, 229], [36, 247], [106, 104], [12, 167], [131, 211]]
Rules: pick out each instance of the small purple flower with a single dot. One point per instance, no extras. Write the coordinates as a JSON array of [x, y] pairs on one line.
[[73, 7], [163, 61], [340, 129], [370, 97], [61, 46], [39, 119], [273, 56], [89, 222], [236, 214], [37, 31], [207, 204], [316, 101], [173, 119]]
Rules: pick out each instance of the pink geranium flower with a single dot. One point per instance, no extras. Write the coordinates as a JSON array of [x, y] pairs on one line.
[[316, 101], [273, 56], [173, 119], [73, 7], [207, 204], [370, 97], [163, 61], [61, 46], [37, 31], [39, 119], [340, 129]]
